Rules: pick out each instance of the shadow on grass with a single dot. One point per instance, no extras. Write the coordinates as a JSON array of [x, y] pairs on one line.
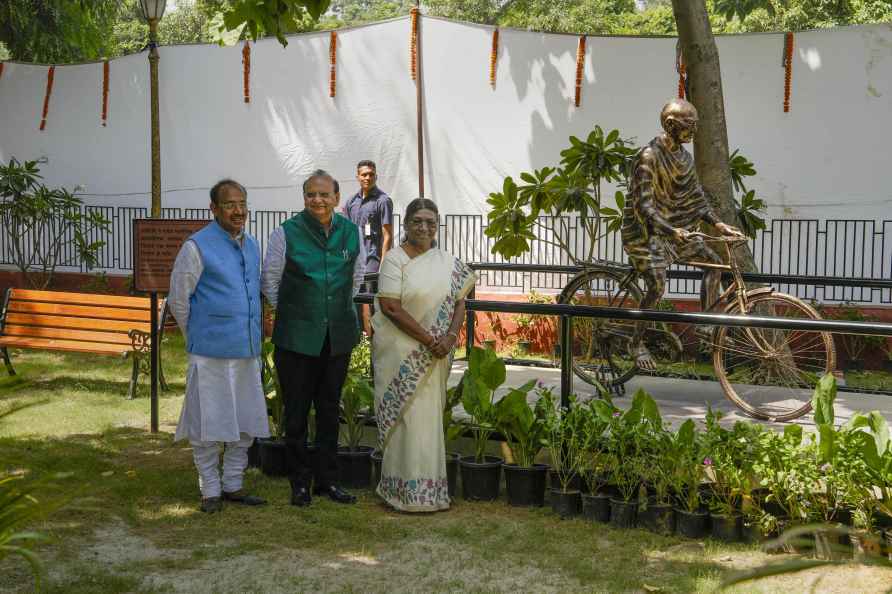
[[150, 483]]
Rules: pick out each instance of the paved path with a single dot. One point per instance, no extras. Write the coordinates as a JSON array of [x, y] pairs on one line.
[[681, 399]]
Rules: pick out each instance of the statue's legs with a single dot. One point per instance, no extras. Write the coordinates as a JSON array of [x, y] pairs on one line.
[[655, 283]]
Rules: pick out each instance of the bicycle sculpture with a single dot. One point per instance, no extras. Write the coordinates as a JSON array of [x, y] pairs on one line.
[[769, 374]]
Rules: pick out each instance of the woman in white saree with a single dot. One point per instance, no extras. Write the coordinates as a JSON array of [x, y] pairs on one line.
[[419, 310]]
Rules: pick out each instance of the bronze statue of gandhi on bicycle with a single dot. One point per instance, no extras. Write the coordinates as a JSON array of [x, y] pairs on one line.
[[769, 374]]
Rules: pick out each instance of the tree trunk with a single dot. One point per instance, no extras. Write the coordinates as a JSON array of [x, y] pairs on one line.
[[701, 57]]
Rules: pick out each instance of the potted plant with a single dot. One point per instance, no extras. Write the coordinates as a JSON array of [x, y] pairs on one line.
[[524, 329], [626, 432], [357, 407], [855, 345], [656, 513], [452, 430], [564, 435], [724, 471], [596, 463], [272, 456], [525, 428], [481, 474], [690, 520]]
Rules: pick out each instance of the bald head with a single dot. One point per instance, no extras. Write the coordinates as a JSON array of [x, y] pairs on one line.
[[679, 120]]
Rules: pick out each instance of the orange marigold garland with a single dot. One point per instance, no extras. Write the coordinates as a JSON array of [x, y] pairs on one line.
[[682, 71], [413, 44], [788, 69], [105, 69], [333, 60], [494, 57], [246, 67], [580, 64], [50, 75]]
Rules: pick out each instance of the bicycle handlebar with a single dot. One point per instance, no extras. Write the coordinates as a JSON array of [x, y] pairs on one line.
[[719, 239]]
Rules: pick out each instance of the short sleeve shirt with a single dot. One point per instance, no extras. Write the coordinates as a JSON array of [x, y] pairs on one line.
[[370, 215]]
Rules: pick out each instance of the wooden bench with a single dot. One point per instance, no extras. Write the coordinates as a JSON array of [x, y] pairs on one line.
[[80, 323]]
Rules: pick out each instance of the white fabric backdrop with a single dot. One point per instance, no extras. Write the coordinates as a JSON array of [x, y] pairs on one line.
[[826, 159]]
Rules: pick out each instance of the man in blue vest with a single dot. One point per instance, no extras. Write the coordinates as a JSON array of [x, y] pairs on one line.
[[215, 298], [310, 274]]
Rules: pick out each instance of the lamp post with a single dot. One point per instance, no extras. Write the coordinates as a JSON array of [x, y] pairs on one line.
[[152, 11]]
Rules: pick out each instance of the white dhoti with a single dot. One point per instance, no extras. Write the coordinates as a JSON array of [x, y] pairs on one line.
[[224, 404]]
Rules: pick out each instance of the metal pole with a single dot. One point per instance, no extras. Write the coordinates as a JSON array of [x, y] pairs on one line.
[[469, 326], [566, 361], [156, 134], [153, 303], [419, 86]]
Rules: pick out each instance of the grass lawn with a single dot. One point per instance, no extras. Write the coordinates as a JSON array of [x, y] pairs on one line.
[[133, 524]]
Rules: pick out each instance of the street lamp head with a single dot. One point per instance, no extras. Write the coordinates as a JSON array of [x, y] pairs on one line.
[[153, 10]]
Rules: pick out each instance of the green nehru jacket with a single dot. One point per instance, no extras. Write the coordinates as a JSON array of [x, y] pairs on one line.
[[316, 292]]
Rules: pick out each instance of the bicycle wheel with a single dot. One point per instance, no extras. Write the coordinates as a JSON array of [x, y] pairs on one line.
[[771, 374], [600, 346]]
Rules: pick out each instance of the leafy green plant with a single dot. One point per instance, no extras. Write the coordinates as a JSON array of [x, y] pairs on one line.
[[525, 427], [574, 188], [689, 468], [484, 375], [565, 436], [357, 407], [727, 464], [626, 433], [749, 208], [361, 358], [595, 465], [275, 404], [452, 429], [855, 345], [30, 210]]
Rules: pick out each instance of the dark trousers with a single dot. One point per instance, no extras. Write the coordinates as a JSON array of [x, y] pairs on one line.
[[315, 381]]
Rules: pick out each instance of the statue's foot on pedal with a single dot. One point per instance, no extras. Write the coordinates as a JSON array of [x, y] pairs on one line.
[[643, 359]]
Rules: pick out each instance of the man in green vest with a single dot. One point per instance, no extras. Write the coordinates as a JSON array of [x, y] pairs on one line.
[[310, 275]]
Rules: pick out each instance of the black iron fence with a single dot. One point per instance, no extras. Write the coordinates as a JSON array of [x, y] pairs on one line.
[[850, 248]]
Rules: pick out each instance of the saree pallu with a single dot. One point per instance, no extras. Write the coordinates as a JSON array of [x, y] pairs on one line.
[[410, 383]]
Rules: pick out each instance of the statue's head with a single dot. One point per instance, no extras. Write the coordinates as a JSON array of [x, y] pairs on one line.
[[679, 120]]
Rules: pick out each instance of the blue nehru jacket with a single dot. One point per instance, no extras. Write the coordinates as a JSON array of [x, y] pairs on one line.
[[224, 310]]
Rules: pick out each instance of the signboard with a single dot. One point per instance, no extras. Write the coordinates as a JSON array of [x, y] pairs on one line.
[[156, 243]]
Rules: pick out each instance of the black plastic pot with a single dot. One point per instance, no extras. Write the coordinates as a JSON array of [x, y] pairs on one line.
[[377, 458], [355, 467], [452, 459], [659, 518], [273, 457], [480, 481], [254, 454], [554, 482], [691, 525], [887, 536], [596, 508], [750, 532], [566, 504], [525, 485], [726, 528], [623, 514]]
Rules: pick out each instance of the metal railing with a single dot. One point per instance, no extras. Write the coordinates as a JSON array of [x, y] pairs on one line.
[[795, 253], [567, 312]]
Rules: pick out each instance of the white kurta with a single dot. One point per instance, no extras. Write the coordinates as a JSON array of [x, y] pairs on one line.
[[224, 397]]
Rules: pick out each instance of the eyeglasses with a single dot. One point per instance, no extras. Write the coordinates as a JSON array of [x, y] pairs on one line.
[[429, 223], [230, 206]]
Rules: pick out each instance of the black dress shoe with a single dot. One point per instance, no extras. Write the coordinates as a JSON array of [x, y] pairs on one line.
[[240, 497], [335, 493], [300, 497], [211, 505]]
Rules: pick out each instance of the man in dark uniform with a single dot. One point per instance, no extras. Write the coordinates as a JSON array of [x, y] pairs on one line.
[[371, 210]]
